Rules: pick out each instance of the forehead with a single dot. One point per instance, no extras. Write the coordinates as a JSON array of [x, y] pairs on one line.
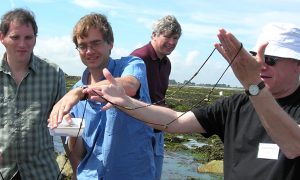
[[287, 63], [20, 28], [288, 59], [92, 34], [169, 34]]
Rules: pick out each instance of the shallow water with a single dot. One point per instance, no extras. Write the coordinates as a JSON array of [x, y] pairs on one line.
[[177, 166], [181, 166]]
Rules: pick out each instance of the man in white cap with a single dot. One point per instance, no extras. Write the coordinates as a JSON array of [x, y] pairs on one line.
[[260, 127]]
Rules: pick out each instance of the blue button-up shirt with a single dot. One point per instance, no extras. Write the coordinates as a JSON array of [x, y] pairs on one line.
[[118, 145]]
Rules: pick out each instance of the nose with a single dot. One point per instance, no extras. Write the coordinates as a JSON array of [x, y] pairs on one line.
[[173, 41], [90, 49], [264, 66], [22, 42]]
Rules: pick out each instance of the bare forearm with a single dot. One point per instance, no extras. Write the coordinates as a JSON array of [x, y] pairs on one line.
[[130, 84], [279, 125], [162, 118], [76, 151]]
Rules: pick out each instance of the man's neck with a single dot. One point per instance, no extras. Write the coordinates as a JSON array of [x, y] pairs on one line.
[[95, 76], [18, 69], [160, 56], [286, 91]]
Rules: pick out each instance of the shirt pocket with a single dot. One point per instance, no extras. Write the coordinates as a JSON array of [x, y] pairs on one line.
[[4, 111]]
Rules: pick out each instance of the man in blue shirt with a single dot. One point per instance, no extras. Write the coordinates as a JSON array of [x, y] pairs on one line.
[[113, 145]]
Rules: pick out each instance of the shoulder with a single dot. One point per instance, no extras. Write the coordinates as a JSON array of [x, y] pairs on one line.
[[39, 62], [142, 52], [237, 99], [141, 49], [226, 103], [126, 65], [131, 59], [46, 68]]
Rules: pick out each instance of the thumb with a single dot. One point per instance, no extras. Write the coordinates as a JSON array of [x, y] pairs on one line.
[[261, 51], [107, 106], [109, 77]]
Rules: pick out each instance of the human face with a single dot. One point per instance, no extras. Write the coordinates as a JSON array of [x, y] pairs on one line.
[[97, 51], [282, 78], [19, 43], [163, 44]]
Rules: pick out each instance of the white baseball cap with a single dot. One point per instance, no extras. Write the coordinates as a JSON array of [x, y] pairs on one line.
[[283, 38]]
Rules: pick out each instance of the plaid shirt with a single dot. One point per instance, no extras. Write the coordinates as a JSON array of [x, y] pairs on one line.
[[25, 142]]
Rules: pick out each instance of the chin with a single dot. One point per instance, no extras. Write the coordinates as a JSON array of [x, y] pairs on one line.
[[167, 53]]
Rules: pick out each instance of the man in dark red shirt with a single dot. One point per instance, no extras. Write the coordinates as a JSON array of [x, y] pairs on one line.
[[165, 35]]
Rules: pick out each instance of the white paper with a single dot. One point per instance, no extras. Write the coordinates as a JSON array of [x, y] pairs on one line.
[[268, 151]]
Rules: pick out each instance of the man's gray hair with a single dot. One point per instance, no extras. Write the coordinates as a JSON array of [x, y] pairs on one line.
[[168, 26]]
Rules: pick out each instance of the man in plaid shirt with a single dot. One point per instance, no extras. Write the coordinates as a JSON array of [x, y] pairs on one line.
[[29, 87]]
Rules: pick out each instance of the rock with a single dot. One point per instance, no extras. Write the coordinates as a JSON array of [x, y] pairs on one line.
[[214, 166], [67, 171]]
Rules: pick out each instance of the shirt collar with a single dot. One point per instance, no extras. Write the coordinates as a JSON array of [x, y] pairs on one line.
[[86, 73], [153, 54], [32, 64]]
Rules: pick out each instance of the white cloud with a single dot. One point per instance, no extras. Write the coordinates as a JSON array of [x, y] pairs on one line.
[[38, 1], [12, 4], [198, 31], [185, 68], [89, 4], [2, 50], [119, 52], [61, 51], [97, 4], [192, 57], [147, 22]]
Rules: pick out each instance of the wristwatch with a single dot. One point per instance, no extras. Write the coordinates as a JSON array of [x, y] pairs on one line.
[[255, 89], [85, 97], [83, 86]]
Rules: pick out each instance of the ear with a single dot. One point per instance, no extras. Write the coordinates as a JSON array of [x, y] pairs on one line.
[[153, 35], [35, 40], [1, 37], [298, 67], [111, 45]]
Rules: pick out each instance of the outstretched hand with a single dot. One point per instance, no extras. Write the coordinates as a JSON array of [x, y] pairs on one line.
[[245, 67], [113, 93], [61, 109]]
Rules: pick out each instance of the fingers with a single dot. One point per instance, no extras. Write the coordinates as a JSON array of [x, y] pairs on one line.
[[261, 52], [54, 116], [58, 112], [95, 93], [224, 47], [229, 46], [68, 118], [107, 106], [109, 77]]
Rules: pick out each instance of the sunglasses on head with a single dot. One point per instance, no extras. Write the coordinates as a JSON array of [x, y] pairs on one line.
[[269, 60]]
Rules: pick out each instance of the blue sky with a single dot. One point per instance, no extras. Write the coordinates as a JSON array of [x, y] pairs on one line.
[[132, 22]]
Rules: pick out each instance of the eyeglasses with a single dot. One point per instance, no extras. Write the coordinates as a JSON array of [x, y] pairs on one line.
[[93, 45], [269, 60]]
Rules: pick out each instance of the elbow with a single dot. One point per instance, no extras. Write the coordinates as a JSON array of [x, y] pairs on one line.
[[132, 90], [131, 93], [293, 153]]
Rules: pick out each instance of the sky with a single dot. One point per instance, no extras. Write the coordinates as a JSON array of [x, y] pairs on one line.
[[132, 22]]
